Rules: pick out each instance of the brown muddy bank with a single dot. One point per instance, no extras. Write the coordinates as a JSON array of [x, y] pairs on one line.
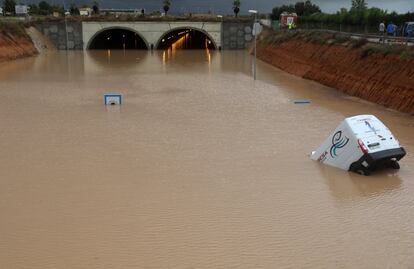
[[15, 43], [383, 75]]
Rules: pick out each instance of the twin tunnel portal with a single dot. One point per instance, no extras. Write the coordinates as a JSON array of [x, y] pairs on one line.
[[125, 37]]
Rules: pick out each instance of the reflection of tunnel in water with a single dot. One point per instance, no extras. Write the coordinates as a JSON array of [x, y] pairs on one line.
[[185, 39], [117, 39]]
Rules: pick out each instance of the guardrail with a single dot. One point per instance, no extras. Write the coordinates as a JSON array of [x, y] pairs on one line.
[[370, 37]]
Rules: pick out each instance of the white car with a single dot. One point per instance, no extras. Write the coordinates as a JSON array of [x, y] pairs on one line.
[[360, 144]]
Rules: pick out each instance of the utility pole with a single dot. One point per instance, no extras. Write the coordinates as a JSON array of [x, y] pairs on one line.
[[255, 32], [66, 25], [255, 49]]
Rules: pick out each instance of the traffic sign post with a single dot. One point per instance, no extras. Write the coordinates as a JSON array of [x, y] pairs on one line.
[[113, 99], [257, 28]]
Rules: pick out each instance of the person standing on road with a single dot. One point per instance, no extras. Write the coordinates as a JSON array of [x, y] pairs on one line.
[[382, 30], [391, 29]]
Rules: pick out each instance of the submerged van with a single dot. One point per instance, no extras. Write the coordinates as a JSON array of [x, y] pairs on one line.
[[360, 144]]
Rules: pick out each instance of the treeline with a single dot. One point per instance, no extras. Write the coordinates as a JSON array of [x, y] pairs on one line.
[[358, 14], [300, 8], [370, 16], [44, 8]]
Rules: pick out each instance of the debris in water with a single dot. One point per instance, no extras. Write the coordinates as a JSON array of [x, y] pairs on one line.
[[301, 102]]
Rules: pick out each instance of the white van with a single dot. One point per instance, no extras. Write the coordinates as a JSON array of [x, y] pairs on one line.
[[360, 144]]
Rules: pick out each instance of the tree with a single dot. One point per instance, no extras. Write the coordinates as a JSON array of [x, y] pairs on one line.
[[9, 6], [358, 5], [236, 7], [45, 8], [279, 10], [33, 9], [74, 10], [58, 9], [95, 8], [167, 5], [306, 8]]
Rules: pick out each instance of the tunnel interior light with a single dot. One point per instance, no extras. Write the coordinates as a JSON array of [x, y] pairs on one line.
[[117, 39]]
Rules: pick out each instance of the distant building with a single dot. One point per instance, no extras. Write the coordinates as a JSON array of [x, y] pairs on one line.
[[85, 11], [1, 11], [288, 18], [266, 22], [56, 14], [116, 11], [202, 15], [21, 10]]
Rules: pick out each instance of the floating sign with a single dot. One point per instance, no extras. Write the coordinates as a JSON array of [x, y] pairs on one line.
[[113, 99]]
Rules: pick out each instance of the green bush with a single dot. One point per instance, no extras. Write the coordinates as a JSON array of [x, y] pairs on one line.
[[341, 39], [357, 43], [407, 54]]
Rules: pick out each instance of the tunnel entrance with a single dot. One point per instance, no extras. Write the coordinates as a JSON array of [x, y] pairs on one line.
[[117, 39], [185, 39]]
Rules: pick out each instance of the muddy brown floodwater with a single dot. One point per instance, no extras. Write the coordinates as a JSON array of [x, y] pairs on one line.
[[200, 168]]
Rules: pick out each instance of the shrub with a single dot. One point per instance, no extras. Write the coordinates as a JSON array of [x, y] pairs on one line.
[[358, 43], [341, 39], [407, 54]]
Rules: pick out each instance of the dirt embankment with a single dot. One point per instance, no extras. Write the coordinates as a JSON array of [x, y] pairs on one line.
[[15, 43], [376, 74]]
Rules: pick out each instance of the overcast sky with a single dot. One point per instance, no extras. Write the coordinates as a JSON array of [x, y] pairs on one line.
[[224, 6]]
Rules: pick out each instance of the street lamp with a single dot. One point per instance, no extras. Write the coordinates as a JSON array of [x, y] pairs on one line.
[[66, 25], [254, 32]]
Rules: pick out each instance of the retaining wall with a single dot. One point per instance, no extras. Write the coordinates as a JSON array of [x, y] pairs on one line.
[[56, 31]]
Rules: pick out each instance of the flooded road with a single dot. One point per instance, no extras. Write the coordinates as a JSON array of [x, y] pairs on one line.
[[200, 168]]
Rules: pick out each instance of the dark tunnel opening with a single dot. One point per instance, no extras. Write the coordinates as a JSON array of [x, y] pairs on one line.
[[117, 39], [185, 39]]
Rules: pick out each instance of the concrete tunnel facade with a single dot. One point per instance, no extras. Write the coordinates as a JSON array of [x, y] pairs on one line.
[[151, 32]]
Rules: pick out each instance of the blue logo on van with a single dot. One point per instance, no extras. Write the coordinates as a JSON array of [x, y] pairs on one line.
[[338, 142]]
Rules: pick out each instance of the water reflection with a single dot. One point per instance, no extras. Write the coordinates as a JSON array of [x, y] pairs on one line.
[[346, 186], [14, 68], [172, 55], [117, 58]]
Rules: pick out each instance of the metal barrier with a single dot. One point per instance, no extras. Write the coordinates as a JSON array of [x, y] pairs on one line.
[[370, 37]]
